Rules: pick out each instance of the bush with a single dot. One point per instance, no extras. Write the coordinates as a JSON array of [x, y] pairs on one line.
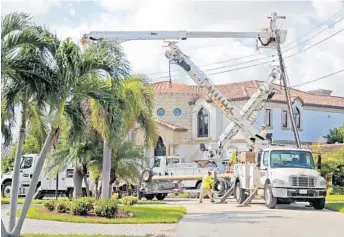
[[80, 206], [50, 205], [62, 205], [106, 208], [336, 190], [129, 200], [115, 196]]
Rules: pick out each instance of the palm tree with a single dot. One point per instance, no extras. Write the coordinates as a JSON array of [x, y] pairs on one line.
[[24, 79], [80, 76], [137, 100]]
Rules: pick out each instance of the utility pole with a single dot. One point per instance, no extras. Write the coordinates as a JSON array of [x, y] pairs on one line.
[[286, 88]]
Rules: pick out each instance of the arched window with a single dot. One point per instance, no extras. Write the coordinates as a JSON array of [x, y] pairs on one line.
[[202, 123], [297, 117]]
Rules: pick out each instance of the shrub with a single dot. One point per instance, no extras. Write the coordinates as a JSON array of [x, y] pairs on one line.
[[105, 208], [80, 206], [50, 205], [337, 190], [115, 196], [129, 200], [62, 205]]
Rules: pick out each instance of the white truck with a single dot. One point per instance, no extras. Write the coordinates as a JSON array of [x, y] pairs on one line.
[[46, 185], [284, 174], [245, 176]]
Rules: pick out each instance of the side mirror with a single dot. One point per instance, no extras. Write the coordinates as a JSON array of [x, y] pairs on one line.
[[319, 161], [259, 158]]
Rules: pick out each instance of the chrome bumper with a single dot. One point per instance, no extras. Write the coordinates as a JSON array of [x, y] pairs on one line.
[[299, 193]]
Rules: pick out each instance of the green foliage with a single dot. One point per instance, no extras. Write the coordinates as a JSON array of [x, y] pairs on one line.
[[50, 205], [106, 208], [62, 205], [115, 196], [336, 190], [31, 146], [129, 200], [339, 207], [331, 161], [336, 135], [335, 198], [81, 206], [142, 215]]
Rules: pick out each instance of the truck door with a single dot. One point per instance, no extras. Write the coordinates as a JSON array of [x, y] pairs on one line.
[[264, 167], [26, 171]]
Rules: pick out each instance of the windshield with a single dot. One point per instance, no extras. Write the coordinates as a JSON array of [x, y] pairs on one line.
[[291, 159]]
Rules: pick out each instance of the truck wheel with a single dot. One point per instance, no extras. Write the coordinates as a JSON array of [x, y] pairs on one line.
[[147, 176], [6, 189], [140, 195], [149, 196], [270, 200], [161, 196], [318, 203], [220, 187], [240, 195]]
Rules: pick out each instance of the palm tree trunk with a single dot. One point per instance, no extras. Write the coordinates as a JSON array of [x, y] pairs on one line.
[[38, 168], [77, 181], [106, 171], [16, 172], [4, 232], [84, 175]]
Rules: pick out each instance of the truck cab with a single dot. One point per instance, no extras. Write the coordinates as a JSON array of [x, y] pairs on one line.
[[286, 175]]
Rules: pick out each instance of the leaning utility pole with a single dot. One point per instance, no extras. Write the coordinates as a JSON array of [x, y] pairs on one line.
[[286, 88]]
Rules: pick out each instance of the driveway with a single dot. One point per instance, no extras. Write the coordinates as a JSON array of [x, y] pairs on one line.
[[295, 220]]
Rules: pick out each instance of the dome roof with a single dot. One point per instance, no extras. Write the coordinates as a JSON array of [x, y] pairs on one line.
[[173, 87]]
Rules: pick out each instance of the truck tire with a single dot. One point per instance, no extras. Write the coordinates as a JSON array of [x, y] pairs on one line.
[[161, 196], [240, 195], [318, 203], [220, 187], [146, 175], [270, 200], [6, 189], [149, 196], [140, 196]]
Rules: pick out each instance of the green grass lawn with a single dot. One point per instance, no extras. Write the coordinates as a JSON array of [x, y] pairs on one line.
[[150, 202], [339, 207], [21, 201], [142, 215], [335, 198]]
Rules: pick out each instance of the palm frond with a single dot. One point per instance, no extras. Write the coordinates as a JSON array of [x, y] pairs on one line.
[[38, 122], [14, 22]]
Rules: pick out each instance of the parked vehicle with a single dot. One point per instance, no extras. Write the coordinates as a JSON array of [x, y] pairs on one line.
[[46, 185]]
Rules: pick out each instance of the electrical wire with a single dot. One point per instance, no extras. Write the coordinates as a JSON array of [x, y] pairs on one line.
[[252, 55], [318, 79]]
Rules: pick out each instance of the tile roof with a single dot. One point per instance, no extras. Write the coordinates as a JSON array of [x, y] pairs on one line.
[[173, 87], [244, 90], [172, 126]]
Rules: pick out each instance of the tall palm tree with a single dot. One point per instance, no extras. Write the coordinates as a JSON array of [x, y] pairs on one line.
[[80, 76], [137, 99], [24, 77]]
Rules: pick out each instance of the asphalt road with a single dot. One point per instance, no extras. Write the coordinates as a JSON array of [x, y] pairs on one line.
[[294, 220]]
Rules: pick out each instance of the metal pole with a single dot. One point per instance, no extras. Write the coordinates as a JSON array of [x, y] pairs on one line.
[[57, 185], [286, 89]]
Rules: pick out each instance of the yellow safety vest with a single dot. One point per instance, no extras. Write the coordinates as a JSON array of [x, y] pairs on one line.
[[207, 181], [233, 158]]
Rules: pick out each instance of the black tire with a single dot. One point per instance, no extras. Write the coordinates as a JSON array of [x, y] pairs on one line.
[[140, 196], [318, 203], [161, 196], [199, 186], [6, 189], [240, 195], [220, 187], [149, 196], [270, 200]]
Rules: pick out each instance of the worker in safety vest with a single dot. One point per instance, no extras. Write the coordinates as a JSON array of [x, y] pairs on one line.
[[206, 188]]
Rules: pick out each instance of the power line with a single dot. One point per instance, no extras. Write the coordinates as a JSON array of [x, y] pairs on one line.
[[318, 79], [270, 61], [252, 55]]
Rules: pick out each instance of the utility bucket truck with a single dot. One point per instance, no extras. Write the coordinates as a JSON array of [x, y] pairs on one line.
[[46, 184], [284, 174], [298, 182]]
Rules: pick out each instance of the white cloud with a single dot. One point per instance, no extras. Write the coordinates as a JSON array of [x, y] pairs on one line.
[[71, 12], [35, 7]]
